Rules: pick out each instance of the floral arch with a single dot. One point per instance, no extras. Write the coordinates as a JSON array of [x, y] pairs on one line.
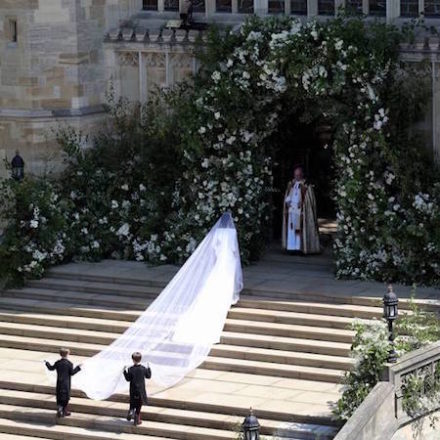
[[344, 71]]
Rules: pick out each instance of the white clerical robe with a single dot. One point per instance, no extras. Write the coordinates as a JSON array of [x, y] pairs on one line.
[[293, 201]]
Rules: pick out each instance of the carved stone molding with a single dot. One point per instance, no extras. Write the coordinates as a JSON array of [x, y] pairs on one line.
[[155, 59], [128, 59], [182, 60]]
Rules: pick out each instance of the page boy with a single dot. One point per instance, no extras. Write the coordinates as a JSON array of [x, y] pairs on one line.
[[65, 371], [136, 375]]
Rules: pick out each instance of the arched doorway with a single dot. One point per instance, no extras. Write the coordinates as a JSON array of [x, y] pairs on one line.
[[310, 145]]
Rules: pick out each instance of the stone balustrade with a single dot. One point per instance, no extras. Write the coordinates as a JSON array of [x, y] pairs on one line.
[[380, 416]]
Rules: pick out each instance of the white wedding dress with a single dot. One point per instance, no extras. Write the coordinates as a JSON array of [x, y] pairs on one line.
[[176, 332]]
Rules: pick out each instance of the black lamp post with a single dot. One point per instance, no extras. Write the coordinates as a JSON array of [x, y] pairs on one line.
[[17, 166], [251, 427], [390, 313]]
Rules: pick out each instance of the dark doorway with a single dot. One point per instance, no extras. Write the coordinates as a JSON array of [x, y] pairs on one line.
[[308, 144]]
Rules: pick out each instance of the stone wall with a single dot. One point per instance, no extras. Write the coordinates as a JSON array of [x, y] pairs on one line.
[[55, 71]]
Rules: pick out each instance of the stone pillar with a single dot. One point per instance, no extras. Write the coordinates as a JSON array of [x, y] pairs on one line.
[[435, 110], [312, 8], [365, 7], [261, 7], [339, 4], [142, 79], [209, 8], [393, 10]]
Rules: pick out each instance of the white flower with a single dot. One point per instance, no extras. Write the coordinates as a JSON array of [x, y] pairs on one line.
[[124, 187], [142, 187], [202, 130], [230, 140], [229, 63], [123, 230], [216, 76], [115, 204], [39, 256], [33, 224], [217, 115], [95, 245], [296, 27]]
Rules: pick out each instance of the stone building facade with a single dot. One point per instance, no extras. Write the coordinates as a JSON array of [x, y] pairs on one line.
[[58, 59]]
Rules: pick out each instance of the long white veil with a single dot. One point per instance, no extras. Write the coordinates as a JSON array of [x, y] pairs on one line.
[[176, 332]]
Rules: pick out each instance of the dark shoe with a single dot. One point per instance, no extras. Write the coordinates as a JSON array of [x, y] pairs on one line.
[[130, 414], [60, 412], [137, 420], [66, 411]]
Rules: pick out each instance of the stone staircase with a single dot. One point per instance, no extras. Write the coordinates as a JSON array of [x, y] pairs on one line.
[[283, 354]]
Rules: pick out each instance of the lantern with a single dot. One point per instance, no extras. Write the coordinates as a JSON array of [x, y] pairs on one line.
[[251, 427], [17, 167], [390, 313], [390, 302]]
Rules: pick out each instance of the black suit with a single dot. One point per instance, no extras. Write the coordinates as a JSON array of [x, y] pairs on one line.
[[65, 371], [136, 375]]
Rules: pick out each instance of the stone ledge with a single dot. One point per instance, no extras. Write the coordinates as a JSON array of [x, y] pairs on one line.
[[64, 113], [374, 419]]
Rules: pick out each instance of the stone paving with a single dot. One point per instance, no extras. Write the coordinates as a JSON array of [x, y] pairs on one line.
[[276, 272]]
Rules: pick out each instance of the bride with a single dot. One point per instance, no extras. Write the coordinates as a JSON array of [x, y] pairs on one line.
[[176, 332]]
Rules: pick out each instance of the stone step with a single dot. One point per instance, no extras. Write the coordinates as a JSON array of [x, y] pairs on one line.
[[103, 288], [4, 436], [231, 325], [112, 425], [220, 350], [307, 307], [283, 357], [288, 293], [159, 414], [223, 408], [293, 318], [236, 312], [46, 431], [78, 298], [274, 369], [289, 331], [120, 278], [82, 298], [100, 338], [287, 344], [67, 309], [293, 370], [23, 430]]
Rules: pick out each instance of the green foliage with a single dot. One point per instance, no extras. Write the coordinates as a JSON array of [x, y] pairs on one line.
[[370, 351], [415, 329], [34, 237]]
